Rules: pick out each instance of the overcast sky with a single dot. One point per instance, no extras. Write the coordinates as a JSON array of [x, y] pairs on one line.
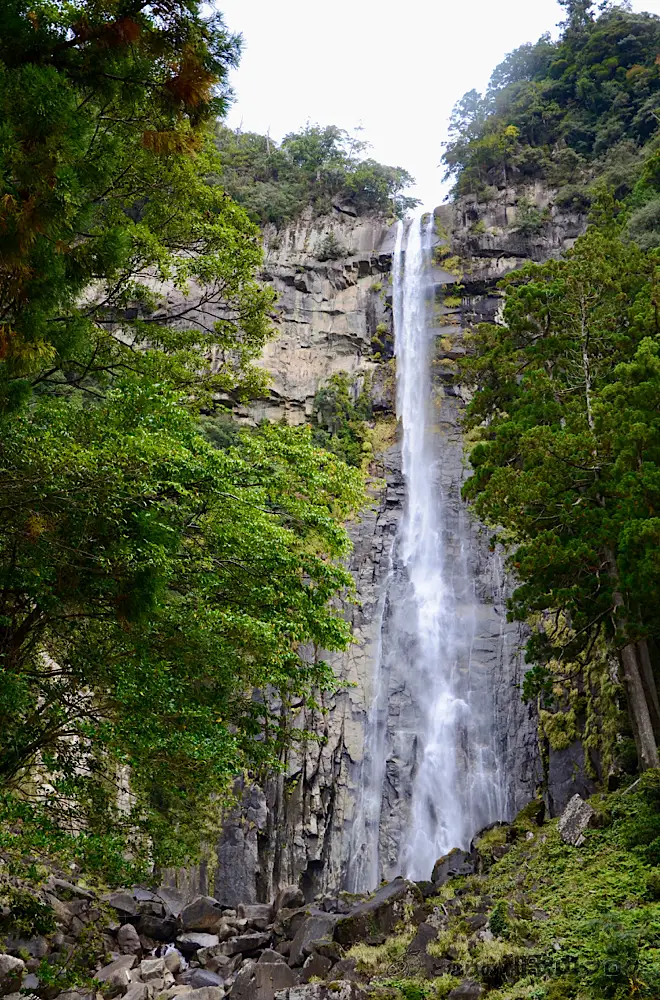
[[396, 69]]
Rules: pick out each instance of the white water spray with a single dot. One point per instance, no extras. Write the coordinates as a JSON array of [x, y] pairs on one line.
[[442, 743]]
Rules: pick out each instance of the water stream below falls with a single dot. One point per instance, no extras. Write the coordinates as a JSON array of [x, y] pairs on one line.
[[431, 775]]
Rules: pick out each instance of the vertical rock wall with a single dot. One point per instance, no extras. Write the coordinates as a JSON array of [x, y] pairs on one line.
[[297, 829]]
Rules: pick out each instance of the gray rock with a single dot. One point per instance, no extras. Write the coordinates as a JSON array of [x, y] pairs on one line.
[[137, 991], [173, 899], [290, 897], [426, 933], [321, 991], [380, 914], [207, 993], [577, 817], [203, 914], [268, 955], [261, 981], [158, 928], [36, 947], [173, 962], [346, 968], [315, 967], [11, 973], [468, 990], [190, 942], [258, 915], [30, 982], [202, 977], [128, 940], [317, 925], [122, 964], [455, 863], [288, 922], [152, 968], [245, 943], [124, 903]]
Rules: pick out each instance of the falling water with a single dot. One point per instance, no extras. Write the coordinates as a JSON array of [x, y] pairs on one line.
[[444, 733]]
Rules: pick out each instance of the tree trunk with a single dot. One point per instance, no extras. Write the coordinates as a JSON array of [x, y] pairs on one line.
[[640, 717], [650, 687]]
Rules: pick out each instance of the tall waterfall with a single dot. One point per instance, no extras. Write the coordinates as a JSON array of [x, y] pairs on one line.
[[431, 776]]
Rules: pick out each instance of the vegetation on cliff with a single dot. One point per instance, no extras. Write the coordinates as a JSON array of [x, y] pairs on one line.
[[150, 582], [565, 412], [314, 168], [568, 111]]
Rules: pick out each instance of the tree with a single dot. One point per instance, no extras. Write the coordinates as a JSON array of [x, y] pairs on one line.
[[160, 599], [575, 498], [308, 170], [106, 128]]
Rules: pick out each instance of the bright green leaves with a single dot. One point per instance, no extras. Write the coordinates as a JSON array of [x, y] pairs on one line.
[[150, 585]]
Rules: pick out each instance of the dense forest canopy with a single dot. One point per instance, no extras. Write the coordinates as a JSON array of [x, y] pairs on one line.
[[155, 572], [568, 111], [312, 168]]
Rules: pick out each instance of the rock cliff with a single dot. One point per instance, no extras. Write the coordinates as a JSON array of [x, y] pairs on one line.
[[297, 829]]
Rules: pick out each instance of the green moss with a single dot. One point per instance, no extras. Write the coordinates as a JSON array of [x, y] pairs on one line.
[[384, 959]]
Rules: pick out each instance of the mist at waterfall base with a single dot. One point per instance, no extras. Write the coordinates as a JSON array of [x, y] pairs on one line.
[[431, 764]]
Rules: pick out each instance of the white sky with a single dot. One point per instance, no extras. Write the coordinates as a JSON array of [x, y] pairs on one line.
[[395, 68]]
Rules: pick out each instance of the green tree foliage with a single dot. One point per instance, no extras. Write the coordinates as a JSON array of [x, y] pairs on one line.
[[105, 123], [159, 596], [567, 463], [313, 167], [342, 414], [572, 102]]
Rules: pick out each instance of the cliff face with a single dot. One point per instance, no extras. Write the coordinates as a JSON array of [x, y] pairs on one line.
[[297, 828]]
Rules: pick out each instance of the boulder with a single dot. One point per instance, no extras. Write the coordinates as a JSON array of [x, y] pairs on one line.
[[124, 903], [346, 968], [262, 980], [426, 933], [207, 993], [173, 961], [173, 899], [577, 817], [128, 940], [268, 955], [11, 973], [36, 947], [468, 990], [317, 925], [290, 898], [158, 928], [244, 944], [137, 991], [203, 914], [258, 915], [427, 889], [152, 968], [287, 923], [315, 967], [122, 964], [189, 943], [323, 991], [202, 977], [379, 915], [116, 976], [455, 863]]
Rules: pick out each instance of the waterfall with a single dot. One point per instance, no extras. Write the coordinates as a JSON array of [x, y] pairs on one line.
[[431, 776]]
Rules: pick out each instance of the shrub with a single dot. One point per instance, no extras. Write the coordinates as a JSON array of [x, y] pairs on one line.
[[329, 248], [499, 920]]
